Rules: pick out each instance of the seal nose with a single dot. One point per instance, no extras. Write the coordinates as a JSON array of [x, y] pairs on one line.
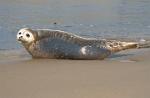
[[19, 38]]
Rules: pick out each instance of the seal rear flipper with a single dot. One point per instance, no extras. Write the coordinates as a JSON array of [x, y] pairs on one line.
[[143, 44], [116, 46]]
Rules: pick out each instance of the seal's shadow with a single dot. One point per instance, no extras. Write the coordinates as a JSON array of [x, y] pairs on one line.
[[120, 55]]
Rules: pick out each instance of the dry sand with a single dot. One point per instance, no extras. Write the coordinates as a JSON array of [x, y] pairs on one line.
[[120, 76]]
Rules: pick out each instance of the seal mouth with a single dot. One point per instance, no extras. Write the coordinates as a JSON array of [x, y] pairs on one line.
[[19, 40]]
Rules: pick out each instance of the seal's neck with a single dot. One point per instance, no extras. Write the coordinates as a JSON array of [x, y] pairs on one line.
[[27, 46]]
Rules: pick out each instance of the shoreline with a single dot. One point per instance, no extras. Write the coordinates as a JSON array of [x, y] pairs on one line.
[[129, 54]]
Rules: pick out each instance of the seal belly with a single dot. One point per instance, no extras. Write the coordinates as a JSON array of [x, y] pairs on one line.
[[57, 48], [94, 52], [62, 49]]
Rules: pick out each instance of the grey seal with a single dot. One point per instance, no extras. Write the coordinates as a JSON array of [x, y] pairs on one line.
[[56, 44]]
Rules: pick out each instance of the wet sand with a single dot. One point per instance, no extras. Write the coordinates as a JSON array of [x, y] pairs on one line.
[[124, 75]]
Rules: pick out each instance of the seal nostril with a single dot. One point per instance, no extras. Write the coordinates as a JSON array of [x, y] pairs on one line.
[[20, 36]]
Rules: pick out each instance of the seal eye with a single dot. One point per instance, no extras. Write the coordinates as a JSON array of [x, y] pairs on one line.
[[28, 35], [19, 33]]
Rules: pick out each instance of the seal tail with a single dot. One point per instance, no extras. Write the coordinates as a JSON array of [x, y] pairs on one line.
[[143, 44], [116, 46]]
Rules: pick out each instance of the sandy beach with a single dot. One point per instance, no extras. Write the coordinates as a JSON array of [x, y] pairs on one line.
[[126, 77]]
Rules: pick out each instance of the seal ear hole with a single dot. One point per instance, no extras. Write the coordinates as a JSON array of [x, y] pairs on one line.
[[28, 35]]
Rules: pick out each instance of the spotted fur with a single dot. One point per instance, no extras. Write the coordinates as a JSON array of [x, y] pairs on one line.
[[47, 43]]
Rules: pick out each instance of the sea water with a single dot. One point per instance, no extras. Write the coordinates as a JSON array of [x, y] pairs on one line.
[[129, 19]]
